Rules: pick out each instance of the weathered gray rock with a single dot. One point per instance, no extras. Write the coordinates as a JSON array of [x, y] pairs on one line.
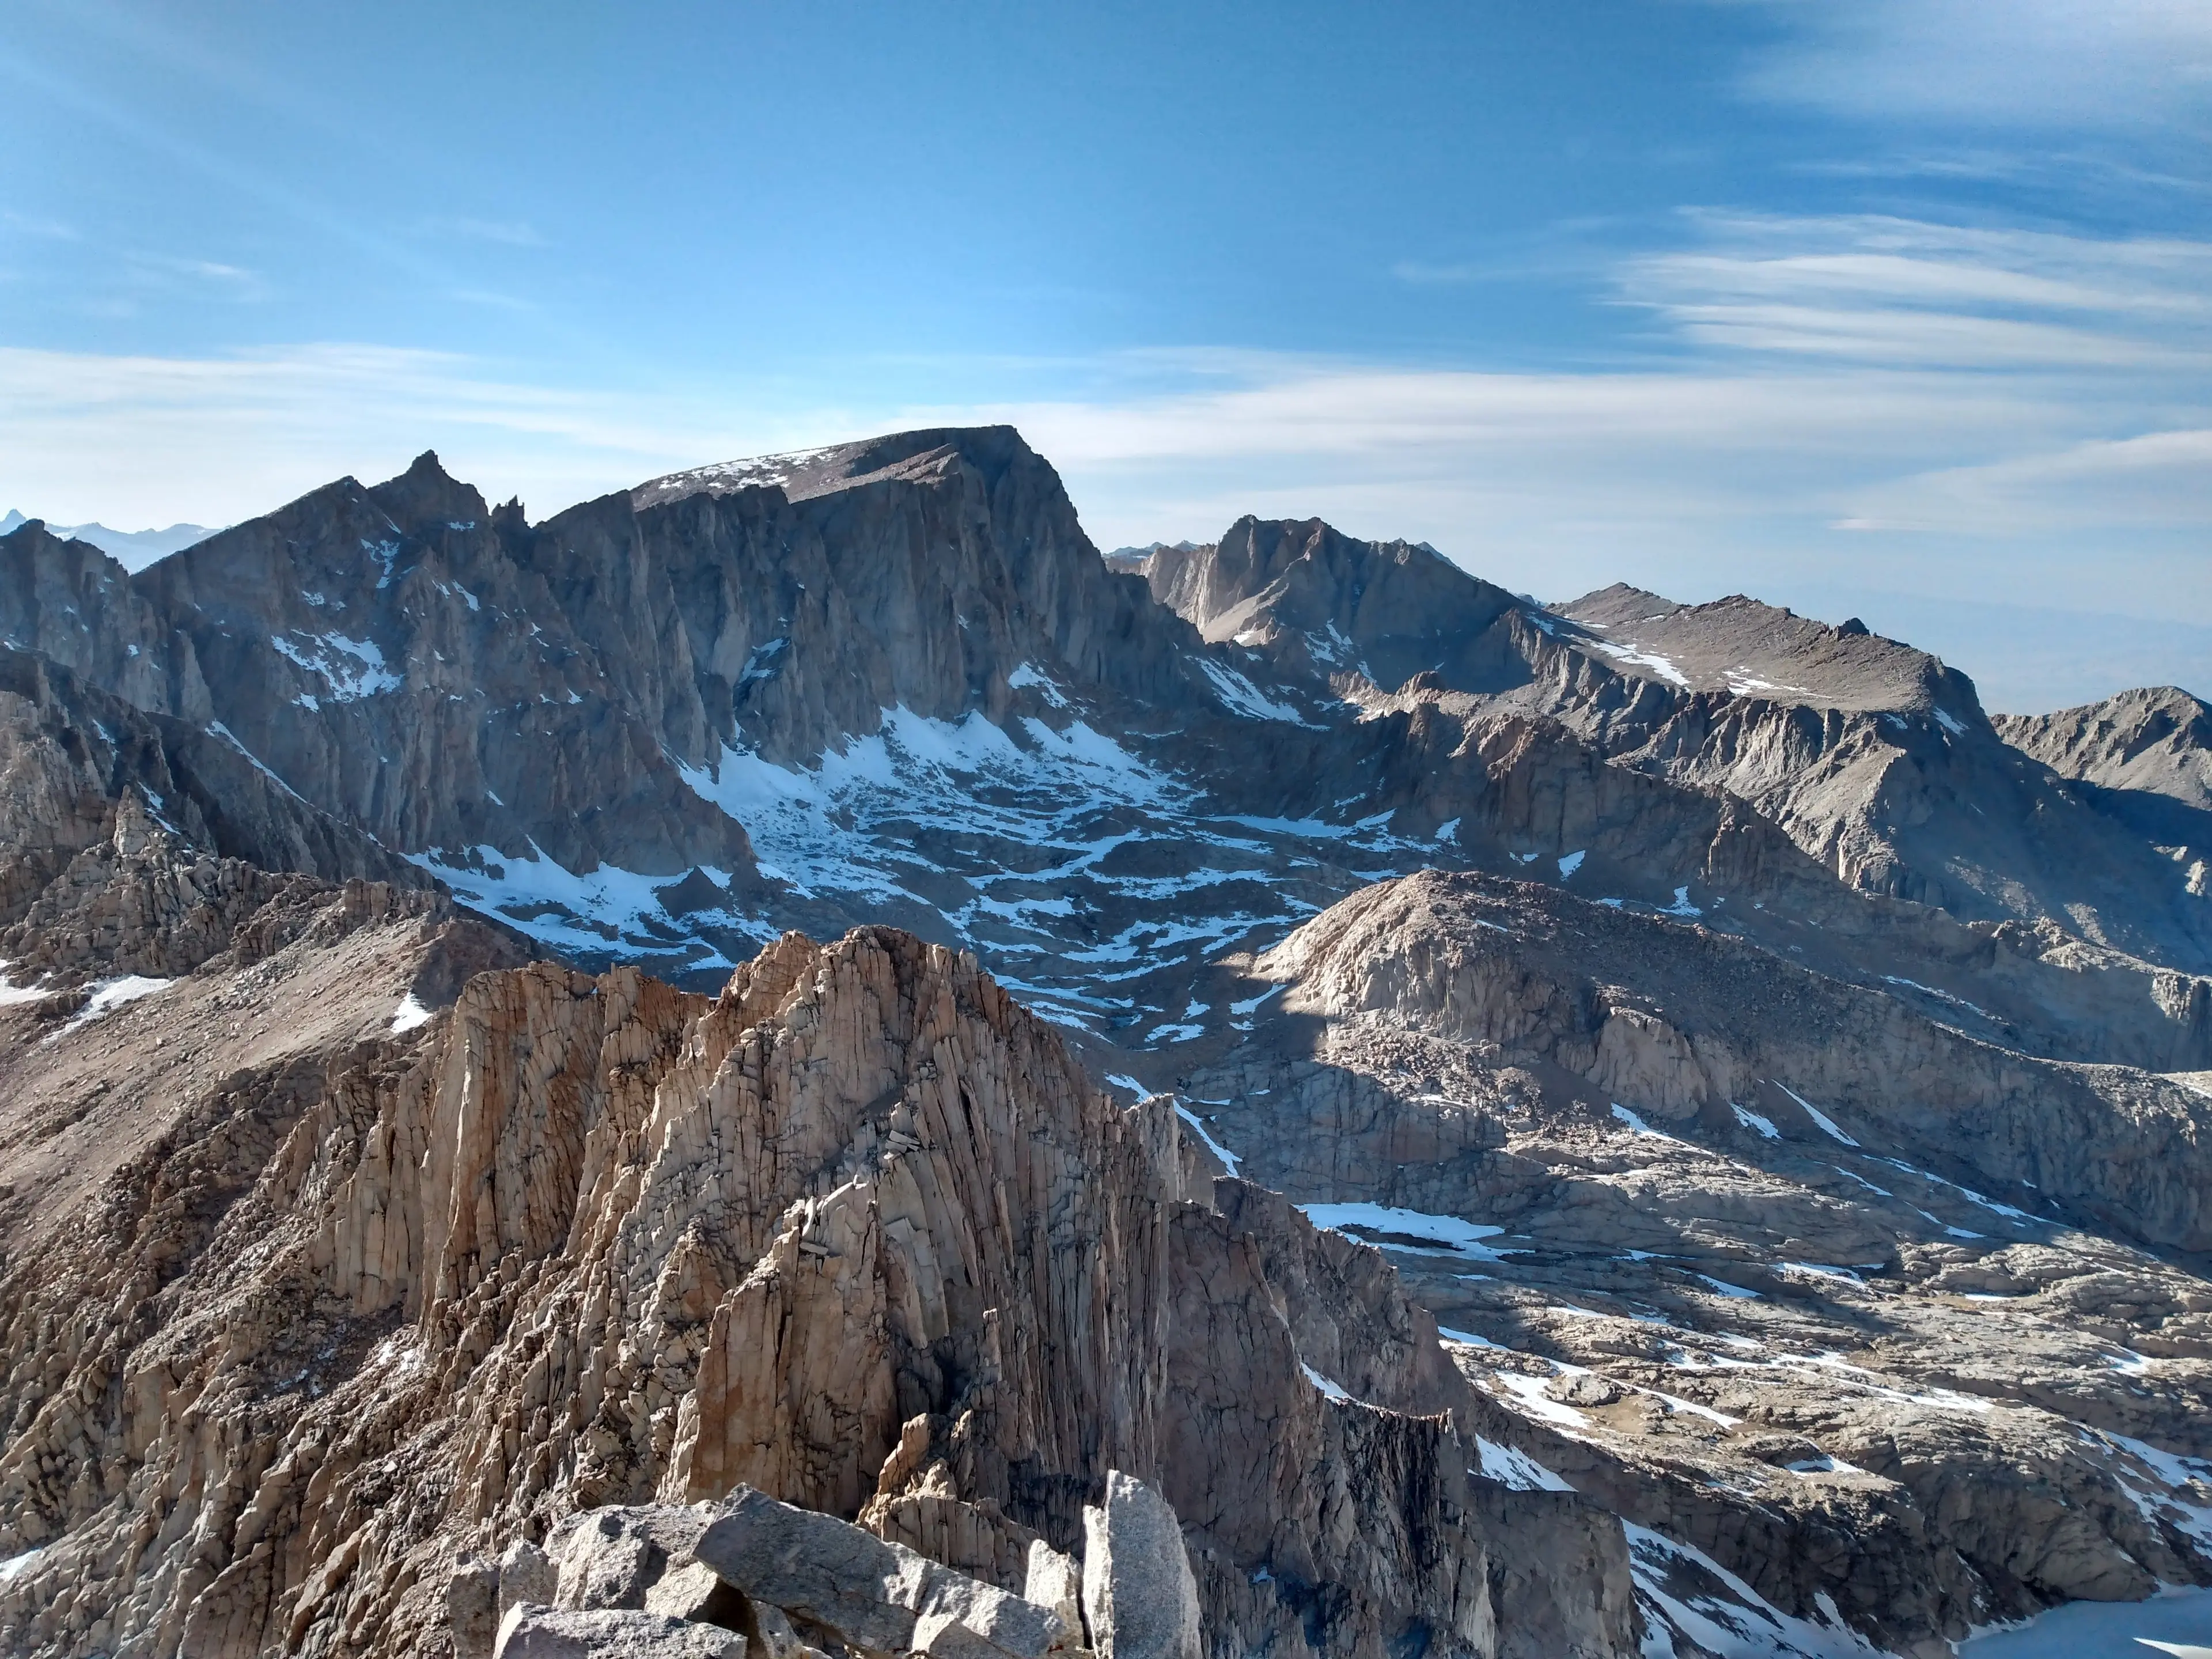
[[525, 1575], [1010, 1624], [870, 1594], [473, 1610], [695, 1591], [823, 1568], [614, 1557], [536, 1632], [1055, 1582], [1139, 1599]]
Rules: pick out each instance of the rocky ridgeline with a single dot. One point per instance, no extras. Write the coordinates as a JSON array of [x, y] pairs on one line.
[[892, 681], [1875, 758], [858, 1234]]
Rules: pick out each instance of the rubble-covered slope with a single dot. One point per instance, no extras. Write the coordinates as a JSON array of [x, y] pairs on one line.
[[1885, 1321]]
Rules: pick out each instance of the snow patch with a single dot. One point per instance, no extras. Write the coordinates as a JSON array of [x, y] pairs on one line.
[[1827, 1124], [1638, 1126], [1571, 863], [1651, 659], [1764, 1126], [1405, 1230], [1229, 1159], [1240, 696], [1511, 1467], [108, 995], [1329, 1391], [1024, 675], [605, 912], [364, 675], [408, 1015], [1684, 1593]]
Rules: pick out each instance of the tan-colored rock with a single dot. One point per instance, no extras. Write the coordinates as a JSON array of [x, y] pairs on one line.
[[523, 1267]]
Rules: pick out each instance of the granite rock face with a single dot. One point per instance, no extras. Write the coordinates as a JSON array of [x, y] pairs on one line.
[[856, 1231], [1139, 1600]]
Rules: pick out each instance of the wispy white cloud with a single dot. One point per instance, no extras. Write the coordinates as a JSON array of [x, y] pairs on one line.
[[166, 268], [2002, 409], [1894, 291], [2039, 64]]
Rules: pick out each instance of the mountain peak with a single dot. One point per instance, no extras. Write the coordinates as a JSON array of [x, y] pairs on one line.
[[426, 495], [804, 473]]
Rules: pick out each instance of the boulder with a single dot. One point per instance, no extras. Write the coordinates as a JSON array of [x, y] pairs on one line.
[[869, 1592], [695, 1591], [525, 1573], [1139, 1599], [1055, 1582], [536, 1632], [613, 1556], [472, 1608]]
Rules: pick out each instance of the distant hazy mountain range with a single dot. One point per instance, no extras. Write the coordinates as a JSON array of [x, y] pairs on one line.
[[134, 549]]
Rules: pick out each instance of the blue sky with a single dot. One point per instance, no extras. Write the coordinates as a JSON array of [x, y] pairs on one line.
[[1899, 308]]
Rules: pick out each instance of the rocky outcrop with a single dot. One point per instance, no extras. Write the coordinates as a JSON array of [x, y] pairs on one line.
[[1731, 1026], [1140, 1600]]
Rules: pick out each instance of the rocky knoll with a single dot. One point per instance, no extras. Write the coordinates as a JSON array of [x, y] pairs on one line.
[[857, 1233], [1859, 1322]]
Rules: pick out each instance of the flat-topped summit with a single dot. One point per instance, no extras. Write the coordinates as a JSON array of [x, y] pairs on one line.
[[1743, 646], [802, 474]]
